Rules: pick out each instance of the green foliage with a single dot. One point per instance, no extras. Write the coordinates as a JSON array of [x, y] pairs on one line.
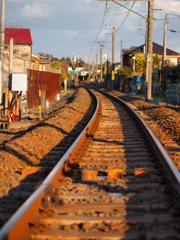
[[63, 74], [140, 64], [176, 73], [156, 61], [127, 72], [56, 64], [69, 76], [106, 68]]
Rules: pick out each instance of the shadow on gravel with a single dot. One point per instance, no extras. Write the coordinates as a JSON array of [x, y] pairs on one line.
[[17, 195], [106, 141], [23, 156]]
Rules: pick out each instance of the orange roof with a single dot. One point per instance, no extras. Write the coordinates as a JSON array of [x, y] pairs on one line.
[[43, 61], [20, 36]]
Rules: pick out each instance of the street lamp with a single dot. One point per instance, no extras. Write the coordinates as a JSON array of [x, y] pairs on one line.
[[134, 60]]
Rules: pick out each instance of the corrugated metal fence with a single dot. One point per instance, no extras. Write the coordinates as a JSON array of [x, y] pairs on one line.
[[47, 82]]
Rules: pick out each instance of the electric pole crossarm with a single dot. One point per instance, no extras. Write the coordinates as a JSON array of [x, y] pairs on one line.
[[129, 8], [126, 0]]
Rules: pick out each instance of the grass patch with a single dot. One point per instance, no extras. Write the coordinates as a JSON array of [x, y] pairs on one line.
[[156, 97]]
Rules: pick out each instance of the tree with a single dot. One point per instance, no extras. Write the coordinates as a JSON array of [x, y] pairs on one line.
[[63, 59], [46, 56], [56, 64], [63, 74], [68, 59], [69, 76], [156, 61], [140, 64], [176, 74], [80, 62], [127, 72]]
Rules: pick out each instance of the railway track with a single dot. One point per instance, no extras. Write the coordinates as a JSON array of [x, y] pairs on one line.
[[114, 182]]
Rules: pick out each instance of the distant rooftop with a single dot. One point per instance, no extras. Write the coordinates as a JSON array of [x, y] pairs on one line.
[[158, 49]]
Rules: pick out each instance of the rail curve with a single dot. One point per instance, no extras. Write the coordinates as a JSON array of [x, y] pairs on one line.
[[114, 182]]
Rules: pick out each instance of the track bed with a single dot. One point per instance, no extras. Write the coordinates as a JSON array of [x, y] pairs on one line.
[[113, 185]]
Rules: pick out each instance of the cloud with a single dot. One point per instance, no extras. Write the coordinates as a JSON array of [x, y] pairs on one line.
[[38, 10], [170, 6], [72, 33], [15, 1], [62, 26]]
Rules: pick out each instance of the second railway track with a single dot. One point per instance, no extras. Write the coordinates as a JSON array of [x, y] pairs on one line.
[[113, 185]]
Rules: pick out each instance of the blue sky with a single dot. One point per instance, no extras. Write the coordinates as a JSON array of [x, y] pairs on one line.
[[61, 27]]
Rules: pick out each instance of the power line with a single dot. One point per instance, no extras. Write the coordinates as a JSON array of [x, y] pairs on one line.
[[102, 23], [125, 17], [129, 8]]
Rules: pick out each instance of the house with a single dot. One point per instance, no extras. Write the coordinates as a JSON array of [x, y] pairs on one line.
[[22, 49], [41, 64], [64, 65], [75, 71], [172, 57], [117, 66]]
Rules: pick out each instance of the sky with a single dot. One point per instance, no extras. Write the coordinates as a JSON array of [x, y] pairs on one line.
[[66, 27]]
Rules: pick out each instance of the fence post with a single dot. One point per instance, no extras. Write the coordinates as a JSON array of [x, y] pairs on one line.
[[40, 107], [20, 107], [9, 110]]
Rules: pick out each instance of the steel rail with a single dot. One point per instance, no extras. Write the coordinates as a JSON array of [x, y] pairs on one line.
[[167, 160], [14, 225]]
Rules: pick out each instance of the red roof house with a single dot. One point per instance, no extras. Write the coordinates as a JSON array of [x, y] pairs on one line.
[[157, 49], [21, 36], [22, 48]]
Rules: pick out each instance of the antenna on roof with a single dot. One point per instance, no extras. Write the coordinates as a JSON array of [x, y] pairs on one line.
[[30, 23]]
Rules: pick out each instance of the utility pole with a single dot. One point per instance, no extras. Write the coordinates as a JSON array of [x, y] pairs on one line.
[[164, 52], [2, 48], [101, 47], [113, 56], [121, 63], [96, 65], [101, 61], [149, 40], [164, 56], [113, 45], [122, 86], [121, 56]]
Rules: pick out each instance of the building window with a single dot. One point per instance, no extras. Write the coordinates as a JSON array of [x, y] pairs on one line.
[[16, 51], [25, 55]]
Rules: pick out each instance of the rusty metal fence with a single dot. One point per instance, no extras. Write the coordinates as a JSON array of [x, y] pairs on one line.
[[47, 82]]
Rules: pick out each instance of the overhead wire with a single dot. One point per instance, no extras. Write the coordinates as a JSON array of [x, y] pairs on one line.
[[129, 10], [125, 17], [105, 16], [101, 26]]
